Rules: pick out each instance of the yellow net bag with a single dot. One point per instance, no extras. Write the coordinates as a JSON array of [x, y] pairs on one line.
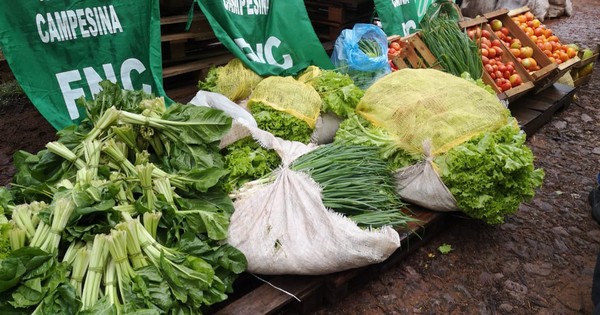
[[415, 105], [290, 96], [233, 80]]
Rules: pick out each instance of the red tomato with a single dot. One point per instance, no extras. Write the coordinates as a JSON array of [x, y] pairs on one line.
[[488, 68], [506, 74], [485, 33], [396, 45], [499, 74], [496, 43], [510, 68], [499, 50], [485, 60], [515, 80]]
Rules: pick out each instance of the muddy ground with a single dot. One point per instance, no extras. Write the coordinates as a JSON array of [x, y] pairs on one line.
[[539, 262]]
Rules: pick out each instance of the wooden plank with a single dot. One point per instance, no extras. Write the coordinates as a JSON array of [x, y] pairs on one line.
[[527, 109], [518, 11], [472, 22], [195, 65], [267, 300]]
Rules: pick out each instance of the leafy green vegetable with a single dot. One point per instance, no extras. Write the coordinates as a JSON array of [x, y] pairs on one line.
[[478, 82], [281, 124], [246, 160], [338, 92], [71, 248], [491, 174], [455, 51], [358, 131]]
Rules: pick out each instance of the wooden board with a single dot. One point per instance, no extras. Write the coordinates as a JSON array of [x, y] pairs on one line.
[[535, 110]]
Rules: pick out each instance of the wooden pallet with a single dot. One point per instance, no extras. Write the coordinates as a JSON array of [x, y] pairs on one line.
[[329, 18], [535, 110], [313, 291], [415, 54]]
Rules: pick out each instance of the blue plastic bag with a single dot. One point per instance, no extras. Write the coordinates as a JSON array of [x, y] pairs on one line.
[[347, 56]]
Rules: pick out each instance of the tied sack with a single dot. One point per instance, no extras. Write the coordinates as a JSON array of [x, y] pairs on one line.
[[282, 226]]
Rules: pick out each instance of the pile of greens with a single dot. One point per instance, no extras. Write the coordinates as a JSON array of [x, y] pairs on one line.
[[123, 214], [280, 124], [356, 182], [490, 175], [358, 131], [246, 161], [338, 92]]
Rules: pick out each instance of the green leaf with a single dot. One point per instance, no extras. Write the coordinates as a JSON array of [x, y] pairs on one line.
[[280, 124], [202, 124], [445, 248]]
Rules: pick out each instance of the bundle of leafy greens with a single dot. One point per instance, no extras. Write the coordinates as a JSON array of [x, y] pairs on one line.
[[356, 182], [246, 161], [339, 93], [490, 175], [358, 131], [122, 214], [280, 124]]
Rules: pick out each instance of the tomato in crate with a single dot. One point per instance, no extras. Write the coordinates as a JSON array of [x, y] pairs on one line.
[[526, 52], [501, 70], [565, 56]]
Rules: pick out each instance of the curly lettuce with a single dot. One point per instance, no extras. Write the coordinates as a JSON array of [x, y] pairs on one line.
[[246, 160], [281, 124], [490, 175], [338, 92]]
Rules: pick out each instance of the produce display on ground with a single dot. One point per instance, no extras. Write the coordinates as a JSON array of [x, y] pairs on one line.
[[139, 209]]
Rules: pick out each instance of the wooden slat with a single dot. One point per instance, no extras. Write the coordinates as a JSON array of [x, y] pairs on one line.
[[267, 300], [195, 65], [532, 115]]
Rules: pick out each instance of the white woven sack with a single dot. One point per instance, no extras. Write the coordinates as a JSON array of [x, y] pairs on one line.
[[421, 185], [283, 227]]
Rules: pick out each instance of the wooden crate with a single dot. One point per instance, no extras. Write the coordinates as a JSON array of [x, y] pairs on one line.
[[515, 92], [415, 54], [548, 69], [562, 68]]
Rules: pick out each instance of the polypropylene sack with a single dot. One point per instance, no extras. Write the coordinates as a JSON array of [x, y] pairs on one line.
[[420, 184], [282, 227], [347, 57]]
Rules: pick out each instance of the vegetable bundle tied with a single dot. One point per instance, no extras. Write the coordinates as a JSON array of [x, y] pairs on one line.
[[452, 47], [356, 182]]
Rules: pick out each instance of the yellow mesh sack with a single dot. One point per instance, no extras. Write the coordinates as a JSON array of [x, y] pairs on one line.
[[290, 96], [235, 80], [415, 105]]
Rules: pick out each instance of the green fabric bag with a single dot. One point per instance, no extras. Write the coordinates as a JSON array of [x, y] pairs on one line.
[[270, 37], [401, 17], [59, 51]]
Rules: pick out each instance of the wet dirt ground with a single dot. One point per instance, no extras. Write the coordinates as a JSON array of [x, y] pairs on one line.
[[539, 262]]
